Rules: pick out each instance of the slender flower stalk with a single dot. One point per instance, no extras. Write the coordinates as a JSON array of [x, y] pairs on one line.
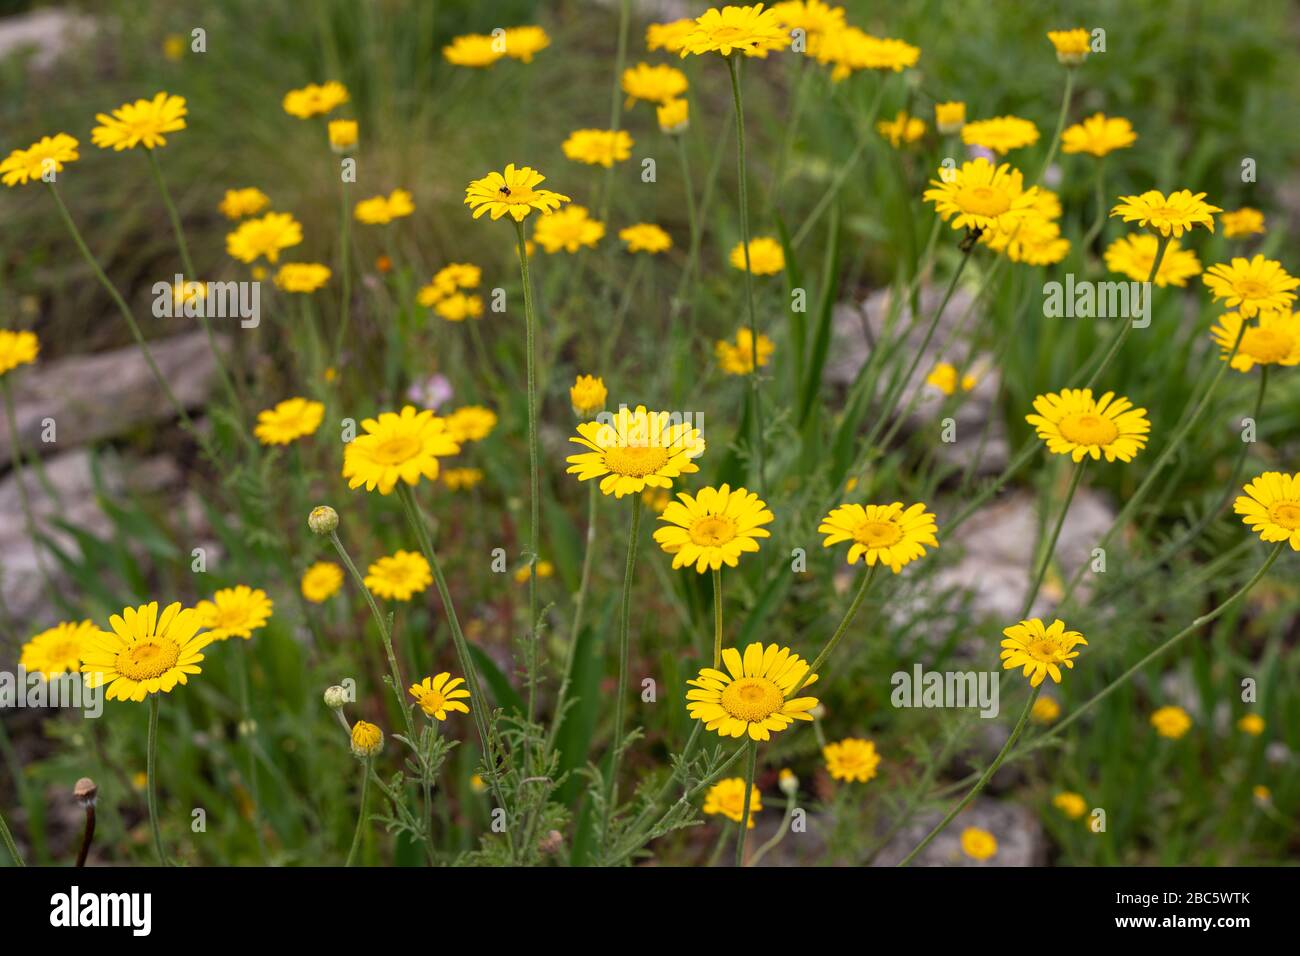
[[7, 838], [717, 618], [1060, 125], [151, 767], [345, 272], [24, 497], [780, 833], [580, 606], [843, 627], [624, 620], [743, 826], [692, 216], [1099, 223], [616, 100], [361, 812], [1045, 561], [1117, 341]]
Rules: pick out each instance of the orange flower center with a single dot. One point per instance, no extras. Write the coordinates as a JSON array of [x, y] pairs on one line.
[[1286, 514], [431, 701], [712, 531], [148, 658], [636, 460], [878, 534], [1266, 346], [986, 201], [1088, 429], [752, 699]]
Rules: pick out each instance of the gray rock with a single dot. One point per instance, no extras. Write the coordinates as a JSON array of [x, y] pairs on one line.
[[1016, 828], [47, 34]]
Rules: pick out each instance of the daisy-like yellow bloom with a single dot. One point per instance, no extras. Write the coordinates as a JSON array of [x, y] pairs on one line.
[[853, 760], [471, 423], [145, 652], [288, 421], [545, 569], [980, 195], [1042, 651], [636, 449], [458, 307], [174, 46], [646, 237], [321, 581], [656, 499], [1098, 134], [750, 30], [812, 16], [1251, 285], [56, 650], [569, 230], [473, 50], [399, 576], [1073, 423], [978, 844], [949, 117], [1271, 507], [902, 129], [886, 53], [1072, 46], [1134, 255], [1032, 239], [1242, 222], [670, 37], [17, 348], [235, 612], [302, 276], [727, 798], [1071, 804], [1000, 134], [1262, 794], [737, 358], [1171, 722], [512, 191], [315, 99], [653, 84], [674, 116], [713, 528], [462, 479], [267, 236], [46, 155], [598, 147], [1174, 214], [750, 698], [1274, 339], [893, 535], [448, 279], [523, 43], [440, 695], [238, 203], [945, 378], [342, 134], [766, 257], [1045, 710], [588, 395], [367, 739], [477, 784], [141, 123], [381, 210], [397, 446], [1252, 724]]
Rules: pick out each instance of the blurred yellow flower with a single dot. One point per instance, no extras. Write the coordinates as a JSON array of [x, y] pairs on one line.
[[474, 50], [1171, 722], [766, 257], [1174, 214], [727, 798], [1000, 134], [670, 37], [17, 348], [267, 236], [302, 276], [321, 581], [174, 46], [461, 479], [381, 210], [544, 570], [750, 30], [587, 395], [812, 16], [653, 84], [40, 161], [978, 844], [902, 129], [315, 99], [235, 612], [944, 377], [1071, 804], [1098, 134], [453, 276], [737, 358], [141, 123], [1274, 339], [570, 229], [458, 307], [1252, 724], [288, 421], [1242, 222], [343, 134], [1072, 46], [598, 147], [238, 203], [1045, 710], [1251, 285], [949, 117], [673, 116], [853, 760], [471, 423], [646, 237], [523, 43], [399, 576], [57, 649], [1134, 255]]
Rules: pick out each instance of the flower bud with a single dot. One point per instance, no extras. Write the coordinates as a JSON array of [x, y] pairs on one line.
[[323, 519], [85, 791], [367, 739], [335, 697], [788, 782]]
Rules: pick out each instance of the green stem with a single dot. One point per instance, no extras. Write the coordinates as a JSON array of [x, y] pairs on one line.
[[1099, 223], [571, 652], [743, 826], [7, 839], [345, 272], [692, 215], [620, 701], [1060, 125], [849, 615], [24, 498], [616, 100], [778, 836], [151, 767], [1117, 342], [1045, 561], [717, 618], [361, 812]]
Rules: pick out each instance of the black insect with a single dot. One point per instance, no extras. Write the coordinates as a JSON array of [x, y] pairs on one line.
[[505, 190]]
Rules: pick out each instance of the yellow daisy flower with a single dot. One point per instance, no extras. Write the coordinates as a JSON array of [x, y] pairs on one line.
[[302, 276], [513, 191], [1133, 256], [727, 798], [450, 278], [1098, 134], [367, 739], [381, 210], [238, 203], [473, 50], [653, 84], [399, 576], [1171, 722], [751, 697], [1045, 710], [766, 257], [235, 612], [342, 134], [1271, 507], [33, 164], [598, 147], [853, 760], [949, 117], [458, 307], [674, 116], [1000, 134], [17, 348], [397, 446], [670, 37], [288, 421], [1072, 46], [811, 16], [1070, 803], [737, 358], [713, 528], [439, 695], [646, 237], [902, 129], [570, 229], [145, 652], [752, 31], [634, 449], [462, 479], [893, 535], [174, 46], [523, 43], [1042, 651], [1073, 423], [1273, 340], [321, 581], [544, 570], [978, 844], [944, 377], [1174, 214], [886, 53], [1252, 724], [1031, 239], [267, 236], [656, 499], [57, 649], [980, 195], [315, 99], [588, 395], [141, 123], [1242, 222], [1251, 285], [470, 423]]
